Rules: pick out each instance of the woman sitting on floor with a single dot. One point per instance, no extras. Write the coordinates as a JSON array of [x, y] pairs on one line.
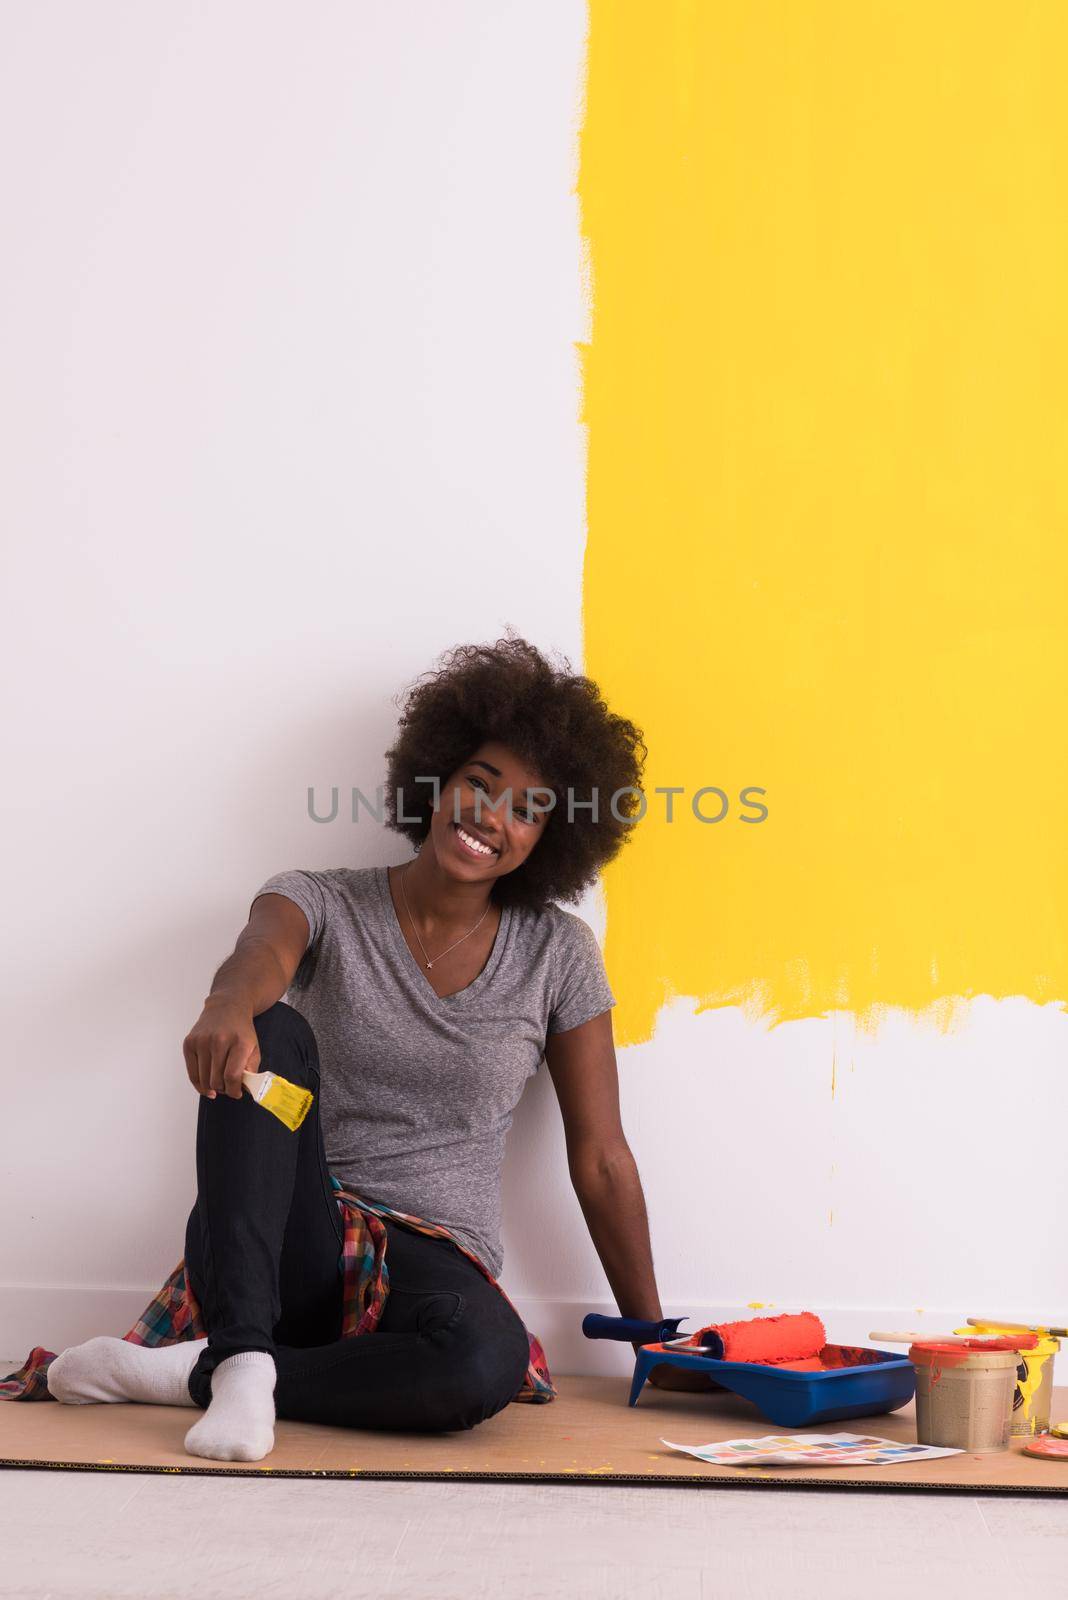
[[422, 997]]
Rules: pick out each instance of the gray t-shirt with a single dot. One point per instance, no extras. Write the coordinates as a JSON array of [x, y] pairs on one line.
[[417, 1091]]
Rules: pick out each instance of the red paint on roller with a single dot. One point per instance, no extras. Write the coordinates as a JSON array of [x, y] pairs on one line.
[[809, 1364], [793, 1340]]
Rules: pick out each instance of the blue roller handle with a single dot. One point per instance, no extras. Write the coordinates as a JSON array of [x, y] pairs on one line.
[[631, 1329]]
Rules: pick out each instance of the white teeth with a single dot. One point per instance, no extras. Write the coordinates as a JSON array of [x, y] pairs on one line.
[[475, 844]]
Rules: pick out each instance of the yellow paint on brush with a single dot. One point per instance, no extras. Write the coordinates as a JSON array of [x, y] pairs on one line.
[[285, 1100], [827, 403]]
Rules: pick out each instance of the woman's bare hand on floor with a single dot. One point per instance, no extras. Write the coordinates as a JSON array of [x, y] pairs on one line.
[[665, 1377]]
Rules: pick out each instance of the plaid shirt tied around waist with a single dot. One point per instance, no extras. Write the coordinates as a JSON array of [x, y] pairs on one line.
[[173, 1313]]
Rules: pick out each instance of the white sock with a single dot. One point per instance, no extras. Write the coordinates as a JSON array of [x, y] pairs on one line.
[[106, 1369], [239, 1423]]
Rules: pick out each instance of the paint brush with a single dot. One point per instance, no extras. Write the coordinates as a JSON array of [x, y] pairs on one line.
[[1018, 1327], [283, 1099], [915, 1338]]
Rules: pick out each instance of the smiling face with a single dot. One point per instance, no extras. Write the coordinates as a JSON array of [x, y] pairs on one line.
[[487, 822]]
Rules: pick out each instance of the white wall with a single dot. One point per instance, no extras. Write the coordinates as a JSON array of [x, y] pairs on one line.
[[290, 405]]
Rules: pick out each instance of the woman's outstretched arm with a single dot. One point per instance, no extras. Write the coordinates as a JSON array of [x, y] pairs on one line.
[[222, 1043], [582, 1064]]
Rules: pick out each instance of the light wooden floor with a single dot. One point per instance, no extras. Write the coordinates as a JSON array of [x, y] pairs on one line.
[[69, 1536], [126, 1536]]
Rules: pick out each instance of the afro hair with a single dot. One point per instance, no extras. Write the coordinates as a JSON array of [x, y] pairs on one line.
[[553, 720]]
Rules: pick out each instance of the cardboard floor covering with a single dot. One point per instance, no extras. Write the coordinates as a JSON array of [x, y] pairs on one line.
[[587, 1435]]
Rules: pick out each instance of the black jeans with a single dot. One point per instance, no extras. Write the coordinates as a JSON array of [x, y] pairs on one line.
[[263, 1254]]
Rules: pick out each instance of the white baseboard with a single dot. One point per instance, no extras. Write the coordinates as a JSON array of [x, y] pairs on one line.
[[59, 1315]]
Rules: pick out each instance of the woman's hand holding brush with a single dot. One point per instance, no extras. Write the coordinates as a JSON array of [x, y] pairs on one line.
[[221, 1047], [222, 1044], [222, 1055]]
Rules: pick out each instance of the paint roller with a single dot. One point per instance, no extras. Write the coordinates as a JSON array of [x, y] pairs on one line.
[[794, 1338]]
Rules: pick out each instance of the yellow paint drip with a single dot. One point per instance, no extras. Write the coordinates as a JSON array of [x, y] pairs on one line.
[[1034, 1363], [1029, 1385], [827, 403]]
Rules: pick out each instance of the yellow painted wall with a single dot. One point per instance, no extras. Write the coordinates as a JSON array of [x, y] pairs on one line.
[[825, 393]]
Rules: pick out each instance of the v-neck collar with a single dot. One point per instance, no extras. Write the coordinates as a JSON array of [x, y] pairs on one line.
[[400, 942]]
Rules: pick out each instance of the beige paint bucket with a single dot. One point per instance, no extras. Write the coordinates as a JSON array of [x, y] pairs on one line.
[[964, 1392]]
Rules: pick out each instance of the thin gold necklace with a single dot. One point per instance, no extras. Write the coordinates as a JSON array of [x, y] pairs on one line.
[[415, 930]]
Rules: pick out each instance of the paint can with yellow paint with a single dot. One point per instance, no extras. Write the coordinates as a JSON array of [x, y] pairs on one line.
[[1034, 1379]]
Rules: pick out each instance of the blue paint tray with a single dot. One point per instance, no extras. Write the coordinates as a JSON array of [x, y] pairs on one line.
[[855, 1382]]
